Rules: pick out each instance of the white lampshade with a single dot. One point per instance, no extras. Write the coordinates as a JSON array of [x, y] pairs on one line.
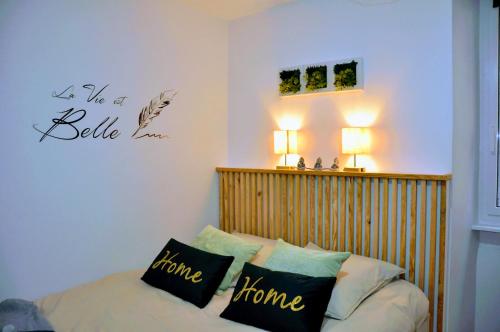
[[285, 141], [355, 140]]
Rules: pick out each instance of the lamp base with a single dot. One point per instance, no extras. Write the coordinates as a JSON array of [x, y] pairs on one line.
[[286, 167], [355, 169]]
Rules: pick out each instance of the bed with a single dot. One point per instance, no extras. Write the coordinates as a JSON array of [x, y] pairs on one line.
[[360, 213], [122, 302]]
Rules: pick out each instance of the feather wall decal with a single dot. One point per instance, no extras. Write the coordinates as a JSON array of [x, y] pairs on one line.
[[152, 110]]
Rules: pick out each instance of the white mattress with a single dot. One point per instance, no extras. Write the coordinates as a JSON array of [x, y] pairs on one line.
[[122, 302]]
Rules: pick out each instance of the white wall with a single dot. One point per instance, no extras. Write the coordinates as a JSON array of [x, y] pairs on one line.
[[406, 47], [72, 211], [462, 244]]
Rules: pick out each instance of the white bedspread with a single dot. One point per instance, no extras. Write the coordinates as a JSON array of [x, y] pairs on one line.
[[122, 302]]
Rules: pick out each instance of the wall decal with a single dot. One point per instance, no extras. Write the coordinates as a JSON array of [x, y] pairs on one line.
[[322, 77], [67, 125], [151, 111], [72, 116]]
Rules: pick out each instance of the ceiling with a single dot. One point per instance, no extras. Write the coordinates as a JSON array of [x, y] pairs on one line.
[[233, 9]]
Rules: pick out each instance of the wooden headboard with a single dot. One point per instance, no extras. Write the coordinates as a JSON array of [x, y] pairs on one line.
[[399, 218]]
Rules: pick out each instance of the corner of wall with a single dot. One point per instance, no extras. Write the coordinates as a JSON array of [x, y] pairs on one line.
[[463, 242]]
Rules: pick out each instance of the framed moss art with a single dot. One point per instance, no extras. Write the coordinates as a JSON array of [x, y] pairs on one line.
[[345, 75], [290, 82], [330, 76], [315, 77]]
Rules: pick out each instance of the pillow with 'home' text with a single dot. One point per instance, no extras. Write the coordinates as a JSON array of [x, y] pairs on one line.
[[188, 273], [279, 301]]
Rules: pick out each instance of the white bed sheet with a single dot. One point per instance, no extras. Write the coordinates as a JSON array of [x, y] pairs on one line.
[[122, 302]]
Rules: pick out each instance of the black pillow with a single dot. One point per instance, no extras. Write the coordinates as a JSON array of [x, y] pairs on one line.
[[279, 301], [187, 272]]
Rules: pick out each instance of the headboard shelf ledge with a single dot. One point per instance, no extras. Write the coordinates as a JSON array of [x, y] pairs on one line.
[[407, 176]]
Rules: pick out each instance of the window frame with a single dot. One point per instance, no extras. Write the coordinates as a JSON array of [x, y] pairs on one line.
[[489, 143]]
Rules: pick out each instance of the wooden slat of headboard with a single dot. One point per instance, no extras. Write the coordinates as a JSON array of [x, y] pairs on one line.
[[359, 215], [328, 209], [272, 185], [290, 209], [335, 219], [284, 208], [413, 229], [442, 255], [402, 233], [368, 216], [319, 219], [237, 203], [432, 258], [303, 210], [312, 209], [422, 237], [350, 214], [394, 219], [385, 217], [400, 218], [342, 220]]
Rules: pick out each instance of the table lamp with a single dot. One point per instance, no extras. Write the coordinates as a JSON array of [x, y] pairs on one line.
[[285, 143], [355, 140]]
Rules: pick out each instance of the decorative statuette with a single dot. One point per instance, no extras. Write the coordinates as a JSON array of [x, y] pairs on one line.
[[335, 165], [301, 164], [317, 165]]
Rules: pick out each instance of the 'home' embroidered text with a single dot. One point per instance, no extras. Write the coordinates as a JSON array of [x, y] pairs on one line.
[[181, 269], [272, 295]]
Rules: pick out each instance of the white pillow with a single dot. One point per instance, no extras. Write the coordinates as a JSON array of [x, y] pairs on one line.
[[359, 277], [263, 254]]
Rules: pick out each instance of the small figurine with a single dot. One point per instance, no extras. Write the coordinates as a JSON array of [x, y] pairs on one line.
[[317, 165], [335, 165], [301, 164]]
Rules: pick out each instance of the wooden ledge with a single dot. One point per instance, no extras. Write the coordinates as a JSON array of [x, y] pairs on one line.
[[429, 177]]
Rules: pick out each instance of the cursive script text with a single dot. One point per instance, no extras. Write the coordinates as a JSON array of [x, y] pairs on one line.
[[259, 295], [69, 119], [181, 269]]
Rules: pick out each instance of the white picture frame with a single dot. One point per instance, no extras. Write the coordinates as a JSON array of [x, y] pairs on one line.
[[330, 77]]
